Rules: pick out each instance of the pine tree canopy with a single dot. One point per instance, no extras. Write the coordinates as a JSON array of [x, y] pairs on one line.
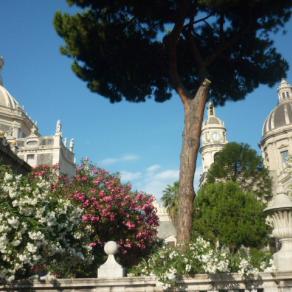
[[123, 49]]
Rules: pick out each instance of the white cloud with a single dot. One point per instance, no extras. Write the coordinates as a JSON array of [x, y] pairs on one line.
[[169, 174], [153, 168], [154, 179], [114, 160], [155, 188], [129, 157], [129, 176]]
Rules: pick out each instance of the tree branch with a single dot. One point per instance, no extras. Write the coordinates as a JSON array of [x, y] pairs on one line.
[[203, 18], [195, 50], [227, 44], [171, 43]]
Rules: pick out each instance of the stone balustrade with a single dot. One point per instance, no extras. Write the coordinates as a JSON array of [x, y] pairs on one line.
[[263, 282]]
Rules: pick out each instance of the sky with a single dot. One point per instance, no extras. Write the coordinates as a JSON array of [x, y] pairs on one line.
[[140, 141]]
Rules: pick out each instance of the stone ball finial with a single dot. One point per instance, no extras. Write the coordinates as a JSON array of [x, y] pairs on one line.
[[111, 248], [110, 269]]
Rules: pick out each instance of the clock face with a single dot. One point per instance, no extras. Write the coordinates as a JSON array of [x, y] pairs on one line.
[[215, 136]]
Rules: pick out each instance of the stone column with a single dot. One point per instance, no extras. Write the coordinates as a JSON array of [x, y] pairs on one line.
[[280, 214]]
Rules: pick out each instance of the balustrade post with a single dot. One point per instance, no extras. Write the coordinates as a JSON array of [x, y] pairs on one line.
[[279, 212]]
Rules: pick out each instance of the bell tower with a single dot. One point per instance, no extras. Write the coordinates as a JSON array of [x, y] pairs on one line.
[[213, 139]]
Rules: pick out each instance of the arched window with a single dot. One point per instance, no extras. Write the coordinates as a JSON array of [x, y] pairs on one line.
[[284, 156], [216, 155]]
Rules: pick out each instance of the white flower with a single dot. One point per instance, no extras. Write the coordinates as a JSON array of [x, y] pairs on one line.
[[10, 278], [7, 177], [171, 275], [36, 235], [23, 258], [13, 222], [31, 248], [16, 242], [188, 267], [77, 235], [172, 255]]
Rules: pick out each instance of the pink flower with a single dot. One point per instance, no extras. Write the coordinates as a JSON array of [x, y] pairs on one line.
[[92, 244], [86, 218], [130, 224], [108, 199]]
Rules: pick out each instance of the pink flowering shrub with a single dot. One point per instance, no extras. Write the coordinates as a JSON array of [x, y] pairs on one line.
[[114, 212]]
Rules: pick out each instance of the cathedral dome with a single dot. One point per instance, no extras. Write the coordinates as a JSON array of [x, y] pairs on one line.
[[6, 99], [281, 115]]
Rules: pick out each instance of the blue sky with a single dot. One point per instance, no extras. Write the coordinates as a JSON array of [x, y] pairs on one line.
[[141, 141]]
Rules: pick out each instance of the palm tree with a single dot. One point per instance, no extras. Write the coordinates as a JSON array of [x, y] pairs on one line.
[[170, 201]]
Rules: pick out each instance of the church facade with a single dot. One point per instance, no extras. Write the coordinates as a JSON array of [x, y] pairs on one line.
[[275, 144], [22, 133]]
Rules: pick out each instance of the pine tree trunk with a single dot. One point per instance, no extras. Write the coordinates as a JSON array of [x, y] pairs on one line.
[[194, 113]]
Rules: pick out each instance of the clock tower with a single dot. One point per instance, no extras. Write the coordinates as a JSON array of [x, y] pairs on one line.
[[213, 139]]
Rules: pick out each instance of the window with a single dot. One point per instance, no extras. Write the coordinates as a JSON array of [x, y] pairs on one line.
[[216, 155], [31, 143], [284, 156], [29, 158]]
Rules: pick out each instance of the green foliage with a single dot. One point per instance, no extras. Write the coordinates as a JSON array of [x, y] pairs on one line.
[[170, 201], [121, 48], [170, 264], [230, 216], [241, 164]]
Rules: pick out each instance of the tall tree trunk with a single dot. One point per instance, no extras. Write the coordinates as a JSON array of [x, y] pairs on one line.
[[194, 113]]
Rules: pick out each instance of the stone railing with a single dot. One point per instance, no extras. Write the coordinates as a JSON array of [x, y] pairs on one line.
[[263, 282]]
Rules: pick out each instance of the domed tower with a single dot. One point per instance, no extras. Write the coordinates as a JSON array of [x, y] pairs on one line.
[[213, 139], [23, 135], [276, 143], [14, 122]]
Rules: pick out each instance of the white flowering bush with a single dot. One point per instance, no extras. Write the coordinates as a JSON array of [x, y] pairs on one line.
[[170, 264], [39, 230]]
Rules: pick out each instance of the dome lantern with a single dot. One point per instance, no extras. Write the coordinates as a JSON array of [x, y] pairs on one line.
[[284, 91]]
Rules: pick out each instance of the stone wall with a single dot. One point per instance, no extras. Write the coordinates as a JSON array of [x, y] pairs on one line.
[[263, 282]]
